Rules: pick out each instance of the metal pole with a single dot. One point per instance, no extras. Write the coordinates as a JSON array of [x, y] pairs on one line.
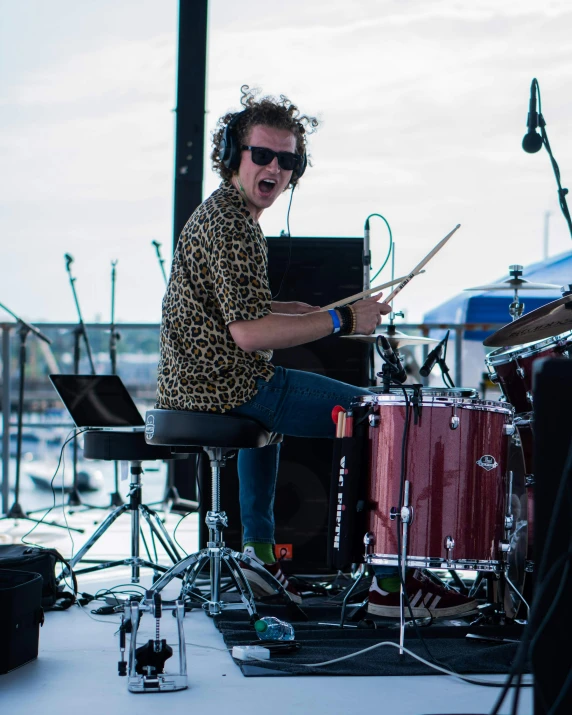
[[6, 327], [458, 355]]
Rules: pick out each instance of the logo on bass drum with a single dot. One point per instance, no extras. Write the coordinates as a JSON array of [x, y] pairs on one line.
[[487, 462]]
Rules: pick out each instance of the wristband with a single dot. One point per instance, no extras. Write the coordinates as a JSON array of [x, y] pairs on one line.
[[335, 320]]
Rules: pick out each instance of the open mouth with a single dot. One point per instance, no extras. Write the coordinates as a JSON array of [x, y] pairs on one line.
[[266, 186]]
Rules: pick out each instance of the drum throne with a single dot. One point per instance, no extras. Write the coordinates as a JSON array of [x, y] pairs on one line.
[[218, 435]]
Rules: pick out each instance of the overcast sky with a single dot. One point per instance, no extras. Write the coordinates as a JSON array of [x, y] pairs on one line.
[[423, 106]]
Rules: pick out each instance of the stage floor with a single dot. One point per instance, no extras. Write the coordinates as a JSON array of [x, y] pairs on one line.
[[77, 663]]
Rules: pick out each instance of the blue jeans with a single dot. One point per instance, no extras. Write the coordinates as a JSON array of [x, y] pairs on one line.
[[294, 403]]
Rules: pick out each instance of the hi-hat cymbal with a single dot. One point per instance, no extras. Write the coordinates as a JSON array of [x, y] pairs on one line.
[[396, 338], [544, 322], [517, 284]]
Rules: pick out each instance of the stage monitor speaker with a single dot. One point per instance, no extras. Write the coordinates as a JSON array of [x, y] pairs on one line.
[[317, 271], [551, 654]]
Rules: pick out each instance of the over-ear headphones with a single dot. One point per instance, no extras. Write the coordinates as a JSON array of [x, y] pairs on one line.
[[230, 151]]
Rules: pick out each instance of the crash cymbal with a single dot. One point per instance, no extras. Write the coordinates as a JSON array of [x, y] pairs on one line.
[[396, 338], [516, 284], [544, 322]]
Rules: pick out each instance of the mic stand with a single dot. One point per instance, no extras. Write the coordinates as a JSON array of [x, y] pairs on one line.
[[16, 511], [161, 260], [74, 498], [561, 192], [114, 336], [445, 373]]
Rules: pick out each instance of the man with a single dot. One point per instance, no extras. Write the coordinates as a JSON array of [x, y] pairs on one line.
[[220, 324]]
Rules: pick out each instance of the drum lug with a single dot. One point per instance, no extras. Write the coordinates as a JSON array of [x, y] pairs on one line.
[[529, 566], [494, 378], [369, 542], [504, 546], [529, 397], [529, 480], [393, 512], [449, 546], [455, 421], [519, 370], [508, 522], [374, 420], [508, 429]]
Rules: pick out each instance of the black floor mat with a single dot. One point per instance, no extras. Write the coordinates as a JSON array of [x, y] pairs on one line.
[[443, 641]]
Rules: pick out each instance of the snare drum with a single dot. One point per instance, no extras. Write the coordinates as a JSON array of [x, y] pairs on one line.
[[455, 464], [512, 369]]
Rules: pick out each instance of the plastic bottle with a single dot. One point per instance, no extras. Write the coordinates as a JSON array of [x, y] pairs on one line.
[[273, 629]]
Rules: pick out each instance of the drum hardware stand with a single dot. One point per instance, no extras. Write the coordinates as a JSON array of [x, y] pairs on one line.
[[145, 669], [369, 541], [138, 509], [16, 511], [406, 517], [516, 308]]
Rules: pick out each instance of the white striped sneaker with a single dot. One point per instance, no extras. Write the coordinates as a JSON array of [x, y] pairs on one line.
[[259, 586], [428, 596]]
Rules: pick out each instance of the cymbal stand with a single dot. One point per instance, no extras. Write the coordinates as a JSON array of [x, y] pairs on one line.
[[114, 336], [405, 516], [79, 332], [16, 511], [516, 308]]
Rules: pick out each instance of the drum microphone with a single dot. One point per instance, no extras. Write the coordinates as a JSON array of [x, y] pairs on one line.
[[391, 357], [433, 357], [532, 141]]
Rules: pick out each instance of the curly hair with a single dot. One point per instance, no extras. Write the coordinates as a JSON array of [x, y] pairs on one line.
[[267, 111]]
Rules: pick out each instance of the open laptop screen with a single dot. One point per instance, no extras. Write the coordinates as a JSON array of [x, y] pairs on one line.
[[97, 400]]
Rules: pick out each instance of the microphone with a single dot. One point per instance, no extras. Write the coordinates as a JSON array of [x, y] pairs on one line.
[[532, 141], [433, 357], [389, 355]]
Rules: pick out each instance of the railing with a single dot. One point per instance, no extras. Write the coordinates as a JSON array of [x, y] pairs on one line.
[[137, 367]]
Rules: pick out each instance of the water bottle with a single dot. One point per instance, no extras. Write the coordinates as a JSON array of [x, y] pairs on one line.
[[273, 629]]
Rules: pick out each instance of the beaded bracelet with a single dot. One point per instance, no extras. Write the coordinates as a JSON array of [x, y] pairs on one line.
[[354, 320], [346, 319]]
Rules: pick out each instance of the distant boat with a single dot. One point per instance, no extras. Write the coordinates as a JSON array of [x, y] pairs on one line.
[[42, 473]]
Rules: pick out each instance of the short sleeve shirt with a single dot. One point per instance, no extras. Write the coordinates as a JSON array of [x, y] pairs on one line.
[[219, 275]]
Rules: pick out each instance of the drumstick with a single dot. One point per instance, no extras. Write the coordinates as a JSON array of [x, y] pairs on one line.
[[365, 293], [417, 270]]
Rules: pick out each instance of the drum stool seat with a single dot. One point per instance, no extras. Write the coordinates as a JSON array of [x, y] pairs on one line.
[[217, 435], [127, 446]]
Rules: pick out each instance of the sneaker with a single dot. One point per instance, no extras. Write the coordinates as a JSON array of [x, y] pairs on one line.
[[259, 586], [428, 597]]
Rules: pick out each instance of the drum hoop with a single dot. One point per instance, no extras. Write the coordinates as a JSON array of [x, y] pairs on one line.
[[524, 351], [476, 405]]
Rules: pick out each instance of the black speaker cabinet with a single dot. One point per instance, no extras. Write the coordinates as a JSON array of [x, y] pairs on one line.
[[551, 655], [318, 271]]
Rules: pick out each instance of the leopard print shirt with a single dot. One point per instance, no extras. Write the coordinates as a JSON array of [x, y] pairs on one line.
[[219, 275]]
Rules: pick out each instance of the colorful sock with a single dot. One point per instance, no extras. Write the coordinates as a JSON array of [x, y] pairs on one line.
[[265, 552], [391, 584]]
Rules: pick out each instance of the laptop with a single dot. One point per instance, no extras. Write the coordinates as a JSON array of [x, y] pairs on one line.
[[98, 401]]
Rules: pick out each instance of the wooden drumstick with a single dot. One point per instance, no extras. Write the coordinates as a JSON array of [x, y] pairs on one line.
[[365, 293], [417, 270]]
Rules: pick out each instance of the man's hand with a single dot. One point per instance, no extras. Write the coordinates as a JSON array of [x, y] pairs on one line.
[[369, 312], [293, 308]]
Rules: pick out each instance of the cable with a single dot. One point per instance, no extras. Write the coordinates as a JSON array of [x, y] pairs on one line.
[[289, 244], [390, 243]]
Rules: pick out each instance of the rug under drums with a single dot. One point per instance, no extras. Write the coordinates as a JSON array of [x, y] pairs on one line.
[[452, 644]]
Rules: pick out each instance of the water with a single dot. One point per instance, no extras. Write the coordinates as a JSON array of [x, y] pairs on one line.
[[273, 629]]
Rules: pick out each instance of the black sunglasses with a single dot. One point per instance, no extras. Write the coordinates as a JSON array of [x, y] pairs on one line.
[[262, 156]]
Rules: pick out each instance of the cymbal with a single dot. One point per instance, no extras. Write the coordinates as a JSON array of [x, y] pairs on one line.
[[544, 322], [396, 338], [517, 284]]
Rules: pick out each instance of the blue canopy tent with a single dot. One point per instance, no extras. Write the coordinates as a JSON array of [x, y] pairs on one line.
[[492, 306]]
